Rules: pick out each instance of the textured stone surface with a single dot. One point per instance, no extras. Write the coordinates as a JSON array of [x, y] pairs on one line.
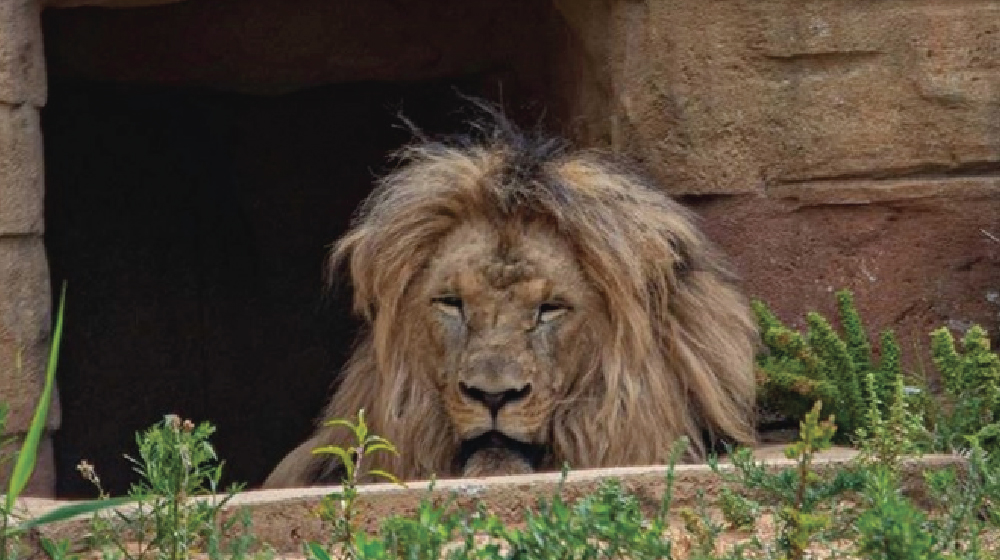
[[22, 188], [22, 58], [24, 329], [286, 519], [914, 265], [735, 96]]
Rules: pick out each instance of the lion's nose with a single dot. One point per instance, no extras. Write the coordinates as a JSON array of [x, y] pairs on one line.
[[494, 401]]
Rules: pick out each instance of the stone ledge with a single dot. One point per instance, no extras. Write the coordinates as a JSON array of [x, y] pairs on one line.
[[286, 518], [869, 191]]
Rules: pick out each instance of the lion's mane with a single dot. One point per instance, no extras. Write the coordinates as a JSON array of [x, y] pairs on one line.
[[677, 359]]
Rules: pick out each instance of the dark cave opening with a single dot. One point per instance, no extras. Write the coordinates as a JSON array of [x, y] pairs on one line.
[[192, 228], [201, 157]]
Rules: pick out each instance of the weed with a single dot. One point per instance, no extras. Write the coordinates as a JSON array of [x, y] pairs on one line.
[[177, 511], [803, 501], [892, 528], [338, 507], [966, 500], [608, 524]]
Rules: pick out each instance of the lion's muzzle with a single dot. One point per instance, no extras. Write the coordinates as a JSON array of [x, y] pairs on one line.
[[494, 400]]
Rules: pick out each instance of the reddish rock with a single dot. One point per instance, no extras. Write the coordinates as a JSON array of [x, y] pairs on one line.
[[913, 265]]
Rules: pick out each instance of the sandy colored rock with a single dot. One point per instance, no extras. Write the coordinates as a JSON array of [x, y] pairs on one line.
[[22, 189], [22, 58], [24, 329], [731, 97]]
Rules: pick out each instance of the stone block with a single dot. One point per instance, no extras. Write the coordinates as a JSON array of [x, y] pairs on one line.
[[22, 176], [22, 53], [736, 95], [24, 329]]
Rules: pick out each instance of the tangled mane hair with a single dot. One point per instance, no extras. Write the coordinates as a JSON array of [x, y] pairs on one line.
[[674, 358]]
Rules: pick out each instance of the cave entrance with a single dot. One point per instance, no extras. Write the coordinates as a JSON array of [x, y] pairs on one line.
[[201, 157]]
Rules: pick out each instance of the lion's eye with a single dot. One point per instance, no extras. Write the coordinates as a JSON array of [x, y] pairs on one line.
[[550, 311], [449, 305]]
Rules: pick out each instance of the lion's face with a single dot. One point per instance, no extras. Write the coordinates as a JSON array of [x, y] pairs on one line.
[[528, 306], [509, 314]]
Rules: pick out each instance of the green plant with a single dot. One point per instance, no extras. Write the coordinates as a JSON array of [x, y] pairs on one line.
[[26, 457], [893, 433], [970, 403], [965, 500], [607, 524], [796, 370], [177, 511], [739, 512], [338, 508], [803, 500], [699, 524], [892, 528]]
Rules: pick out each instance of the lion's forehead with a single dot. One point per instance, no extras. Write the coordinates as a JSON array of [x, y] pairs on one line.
[[521, 261]]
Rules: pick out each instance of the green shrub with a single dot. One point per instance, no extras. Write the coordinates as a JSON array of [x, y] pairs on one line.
[[970, 403], [892, 528], [796, 370]]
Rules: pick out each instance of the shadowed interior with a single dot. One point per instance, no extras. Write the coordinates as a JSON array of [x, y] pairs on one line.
[[191, 215]]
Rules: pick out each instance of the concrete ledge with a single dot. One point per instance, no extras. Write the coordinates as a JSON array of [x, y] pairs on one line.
[[285, 519]]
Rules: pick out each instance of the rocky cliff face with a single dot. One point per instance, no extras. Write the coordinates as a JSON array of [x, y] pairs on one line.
[[859, 141]]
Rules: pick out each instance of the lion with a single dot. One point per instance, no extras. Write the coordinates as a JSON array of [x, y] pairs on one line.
[[527, 306]]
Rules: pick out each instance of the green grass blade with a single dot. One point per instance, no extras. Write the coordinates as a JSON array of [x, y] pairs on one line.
[[317, 552], [28, 453], [71, 510]]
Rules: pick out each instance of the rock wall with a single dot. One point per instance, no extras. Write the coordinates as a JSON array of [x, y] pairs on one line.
[[827, 143], [24, 277]]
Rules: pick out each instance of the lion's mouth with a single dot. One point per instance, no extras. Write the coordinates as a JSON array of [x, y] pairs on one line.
[[531, 453]]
